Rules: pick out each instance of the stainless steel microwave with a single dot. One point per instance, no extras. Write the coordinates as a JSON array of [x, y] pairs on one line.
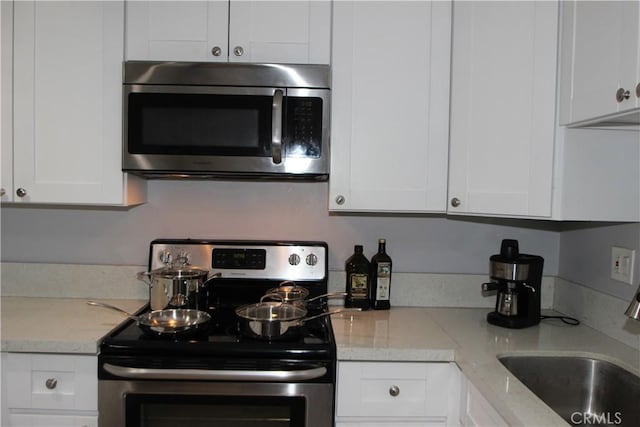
[[184, 119]]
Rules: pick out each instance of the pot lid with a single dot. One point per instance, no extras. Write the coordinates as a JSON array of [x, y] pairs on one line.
[[180, 269]]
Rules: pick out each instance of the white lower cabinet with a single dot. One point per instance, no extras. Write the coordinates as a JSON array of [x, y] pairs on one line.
[[475, 410], [47, 390], [385, 394]]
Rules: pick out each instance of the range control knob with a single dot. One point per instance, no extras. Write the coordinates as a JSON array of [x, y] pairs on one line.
[[165, 257], [311, 259], [294, 259]]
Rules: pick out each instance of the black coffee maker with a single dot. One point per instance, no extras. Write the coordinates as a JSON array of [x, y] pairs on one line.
[[517, 278]]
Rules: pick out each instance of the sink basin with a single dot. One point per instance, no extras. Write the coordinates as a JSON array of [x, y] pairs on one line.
[[582, 390]]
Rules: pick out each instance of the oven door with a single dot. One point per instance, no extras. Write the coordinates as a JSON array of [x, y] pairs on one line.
[[170, 129], [139, 403]]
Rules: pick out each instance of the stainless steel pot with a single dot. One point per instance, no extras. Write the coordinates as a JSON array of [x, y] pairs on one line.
[[274, 320], [278, 296], [289, 292], [177, 321], [177, 286]]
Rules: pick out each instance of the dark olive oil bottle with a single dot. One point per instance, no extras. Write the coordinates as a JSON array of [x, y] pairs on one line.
[[358, 286], [381, 278]]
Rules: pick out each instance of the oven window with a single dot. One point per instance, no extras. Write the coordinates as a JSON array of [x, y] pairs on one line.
[[148, 410], [199, 124]]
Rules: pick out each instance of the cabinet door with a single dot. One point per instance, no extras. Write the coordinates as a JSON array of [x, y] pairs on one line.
[[503, 108], [603, 50], [390, 91], [67, 143], [476, 410], [177, 30], [6, 97], [280, 31]]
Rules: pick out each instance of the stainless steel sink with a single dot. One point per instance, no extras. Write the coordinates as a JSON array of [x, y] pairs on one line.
[[582, 390]]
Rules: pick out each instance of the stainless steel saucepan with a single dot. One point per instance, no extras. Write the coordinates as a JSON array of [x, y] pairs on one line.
[[275, 320], [164, 322], [290, 292]]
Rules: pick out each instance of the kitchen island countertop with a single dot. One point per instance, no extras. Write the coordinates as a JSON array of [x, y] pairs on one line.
[[462, 335]]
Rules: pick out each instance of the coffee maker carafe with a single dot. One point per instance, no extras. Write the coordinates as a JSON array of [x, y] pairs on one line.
[[517, 278]]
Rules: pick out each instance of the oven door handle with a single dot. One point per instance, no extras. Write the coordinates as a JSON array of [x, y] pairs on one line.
[[214, 375], [276, 127]]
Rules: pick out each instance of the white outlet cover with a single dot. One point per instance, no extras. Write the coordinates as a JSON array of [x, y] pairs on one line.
[[622, 264]]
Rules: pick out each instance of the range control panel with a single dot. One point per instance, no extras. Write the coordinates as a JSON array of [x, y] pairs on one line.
[[282, 260]]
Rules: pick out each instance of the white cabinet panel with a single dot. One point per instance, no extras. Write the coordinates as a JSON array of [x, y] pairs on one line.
[[49, 390], [67, 136], [502, 108], [176, 30], [237, 30], [602, 43], [31, 420], [397, 393], [390, 80], [280, 31], [476, 409], [6, 97]]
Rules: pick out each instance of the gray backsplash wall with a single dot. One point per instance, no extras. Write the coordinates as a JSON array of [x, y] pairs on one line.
[[262, 210], [585, 255]]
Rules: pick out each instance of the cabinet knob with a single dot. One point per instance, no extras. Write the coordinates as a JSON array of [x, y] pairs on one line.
[[51, 383], [2, 192], [455, 202], [340, 200], [394, 390], [638, 90], [216, 51], [238, 51], [21, 192], [622, 94]]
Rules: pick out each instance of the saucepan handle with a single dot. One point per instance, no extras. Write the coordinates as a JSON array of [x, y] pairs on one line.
[[143, 275]]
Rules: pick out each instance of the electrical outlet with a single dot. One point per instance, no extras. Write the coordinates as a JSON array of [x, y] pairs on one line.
[[622, 264]]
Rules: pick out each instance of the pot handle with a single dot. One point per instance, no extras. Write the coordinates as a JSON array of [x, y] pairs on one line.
[[141, 276], [329, 295], [273, 296], [327, 313]]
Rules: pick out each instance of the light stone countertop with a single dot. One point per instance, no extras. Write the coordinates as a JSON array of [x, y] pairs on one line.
[[463, 335], [59, 325]]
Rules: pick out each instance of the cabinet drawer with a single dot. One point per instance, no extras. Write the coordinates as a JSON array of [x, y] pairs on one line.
[[386, 389], [44, 381], [29, 420]]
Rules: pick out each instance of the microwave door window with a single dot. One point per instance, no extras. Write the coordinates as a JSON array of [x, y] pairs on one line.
[[199, 124]]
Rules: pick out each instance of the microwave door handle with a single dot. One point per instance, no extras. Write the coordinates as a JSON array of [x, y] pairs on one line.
[[276, 127]]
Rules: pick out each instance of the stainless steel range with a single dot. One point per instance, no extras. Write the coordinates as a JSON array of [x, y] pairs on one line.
[[218, 375]]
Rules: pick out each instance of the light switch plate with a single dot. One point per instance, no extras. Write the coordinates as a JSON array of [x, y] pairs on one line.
[[622, 264]]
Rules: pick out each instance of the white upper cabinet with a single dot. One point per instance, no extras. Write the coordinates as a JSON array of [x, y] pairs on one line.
[[601, 64], [503, 93], [390, 106], [235, 30], [6, 93], [67, 104]]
